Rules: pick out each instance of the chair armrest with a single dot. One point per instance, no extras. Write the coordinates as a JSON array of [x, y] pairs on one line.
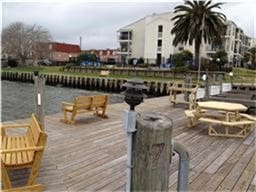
[[39, 148], [14, 126]]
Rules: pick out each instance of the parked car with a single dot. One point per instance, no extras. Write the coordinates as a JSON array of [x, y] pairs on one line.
[[46, 62]]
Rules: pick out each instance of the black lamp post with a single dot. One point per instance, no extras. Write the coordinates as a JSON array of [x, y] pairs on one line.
[[134, 93]]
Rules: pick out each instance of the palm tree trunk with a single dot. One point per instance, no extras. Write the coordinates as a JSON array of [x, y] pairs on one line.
[[197, 57]]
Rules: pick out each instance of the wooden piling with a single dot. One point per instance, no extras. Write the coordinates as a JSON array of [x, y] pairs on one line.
[[39, 99], [151, 152]]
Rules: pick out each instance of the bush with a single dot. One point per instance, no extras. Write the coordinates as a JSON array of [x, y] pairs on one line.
[[140, 61], [12, 62]]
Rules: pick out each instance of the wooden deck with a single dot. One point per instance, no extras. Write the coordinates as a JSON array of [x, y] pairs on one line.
[[91, 155]]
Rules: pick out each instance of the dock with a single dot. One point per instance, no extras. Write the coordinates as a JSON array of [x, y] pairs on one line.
[[91, 155]]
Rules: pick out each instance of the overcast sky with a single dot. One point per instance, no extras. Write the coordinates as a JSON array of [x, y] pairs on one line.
[[98, 22]]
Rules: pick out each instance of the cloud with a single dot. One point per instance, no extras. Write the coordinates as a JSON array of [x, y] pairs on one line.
[[98, 22]]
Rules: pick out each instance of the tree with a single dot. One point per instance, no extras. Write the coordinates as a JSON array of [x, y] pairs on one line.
[[252, 52], [247, 57], [196, 21], [24, 42], [182, 58], [220, 57]]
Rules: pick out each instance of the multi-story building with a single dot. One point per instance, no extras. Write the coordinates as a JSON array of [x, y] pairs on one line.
[[235, 43], [150, 38]]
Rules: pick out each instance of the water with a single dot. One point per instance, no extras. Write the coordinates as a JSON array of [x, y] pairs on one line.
[[18, 99]]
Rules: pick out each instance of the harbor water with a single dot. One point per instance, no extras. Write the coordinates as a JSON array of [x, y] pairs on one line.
[[17, 99]]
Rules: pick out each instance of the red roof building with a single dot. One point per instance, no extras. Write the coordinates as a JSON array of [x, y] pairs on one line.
[[63, 51]]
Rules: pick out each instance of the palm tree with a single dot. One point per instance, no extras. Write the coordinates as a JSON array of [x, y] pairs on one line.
[[196, 21]]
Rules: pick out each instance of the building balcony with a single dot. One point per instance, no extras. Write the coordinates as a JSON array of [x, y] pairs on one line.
[[124, 51], [125, 36]]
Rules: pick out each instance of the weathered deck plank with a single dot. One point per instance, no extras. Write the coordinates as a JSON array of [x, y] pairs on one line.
[[91, 155]]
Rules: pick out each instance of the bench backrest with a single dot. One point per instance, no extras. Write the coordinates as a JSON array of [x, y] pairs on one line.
[[35, 131], [99, 101], [83, 102]]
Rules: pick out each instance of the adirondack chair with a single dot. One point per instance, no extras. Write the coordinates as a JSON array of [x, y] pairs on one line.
[[85, 104], [22, 151]]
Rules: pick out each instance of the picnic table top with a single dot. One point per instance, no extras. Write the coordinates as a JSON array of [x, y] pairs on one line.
[[218, 105]]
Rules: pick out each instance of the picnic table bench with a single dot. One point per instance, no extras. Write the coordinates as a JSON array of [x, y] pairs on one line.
[[85, 104], [226, 115]]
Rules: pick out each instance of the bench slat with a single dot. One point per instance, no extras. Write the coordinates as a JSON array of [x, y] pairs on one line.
[[13, 146], [8, 155], [24, 154], [19, 155], [4, 144]]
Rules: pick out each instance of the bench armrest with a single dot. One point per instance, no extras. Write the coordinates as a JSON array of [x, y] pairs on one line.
[[14, 126], [39, 148], [66, 103]]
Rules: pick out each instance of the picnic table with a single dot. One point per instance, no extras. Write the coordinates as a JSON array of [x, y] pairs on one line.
[[226, 115]]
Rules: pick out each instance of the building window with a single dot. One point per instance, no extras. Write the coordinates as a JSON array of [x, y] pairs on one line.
[[159, 43], [160, 28]]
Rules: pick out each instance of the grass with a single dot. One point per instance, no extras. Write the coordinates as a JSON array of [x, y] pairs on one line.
[[56, 70], [241, 75]]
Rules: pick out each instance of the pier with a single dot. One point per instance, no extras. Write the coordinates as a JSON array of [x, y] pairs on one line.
[[91, 154]]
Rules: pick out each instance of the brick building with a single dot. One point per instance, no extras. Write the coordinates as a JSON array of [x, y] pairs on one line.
[[62, 52], [107, 56]]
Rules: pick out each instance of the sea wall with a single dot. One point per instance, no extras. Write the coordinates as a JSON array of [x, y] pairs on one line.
[[156, 88]]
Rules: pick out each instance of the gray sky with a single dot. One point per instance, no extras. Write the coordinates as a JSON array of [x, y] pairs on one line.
[[98, 22]]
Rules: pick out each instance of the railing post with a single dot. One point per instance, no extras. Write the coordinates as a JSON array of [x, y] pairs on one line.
[[39, 82], [183, 166], [220, 80]]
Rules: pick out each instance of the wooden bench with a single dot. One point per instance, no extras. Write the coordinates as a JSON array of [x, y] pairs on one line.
[[174, 89], [22, 150], [104, 73], [244, 126], [85, 104]]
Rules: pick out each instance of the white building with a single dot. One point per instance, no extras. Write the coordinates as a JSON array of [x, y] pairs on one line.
[[235, 43], [151, 39]]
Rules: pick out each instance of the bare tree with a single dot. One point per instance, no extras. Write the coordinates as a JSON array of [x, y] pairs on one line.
[[24, 42]]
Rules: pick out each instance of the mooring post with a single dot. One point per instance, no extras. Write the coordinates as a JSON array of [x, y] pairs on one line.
[[207, 85], [39, 82], [187, 85], [152, 152], [220, 80]]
